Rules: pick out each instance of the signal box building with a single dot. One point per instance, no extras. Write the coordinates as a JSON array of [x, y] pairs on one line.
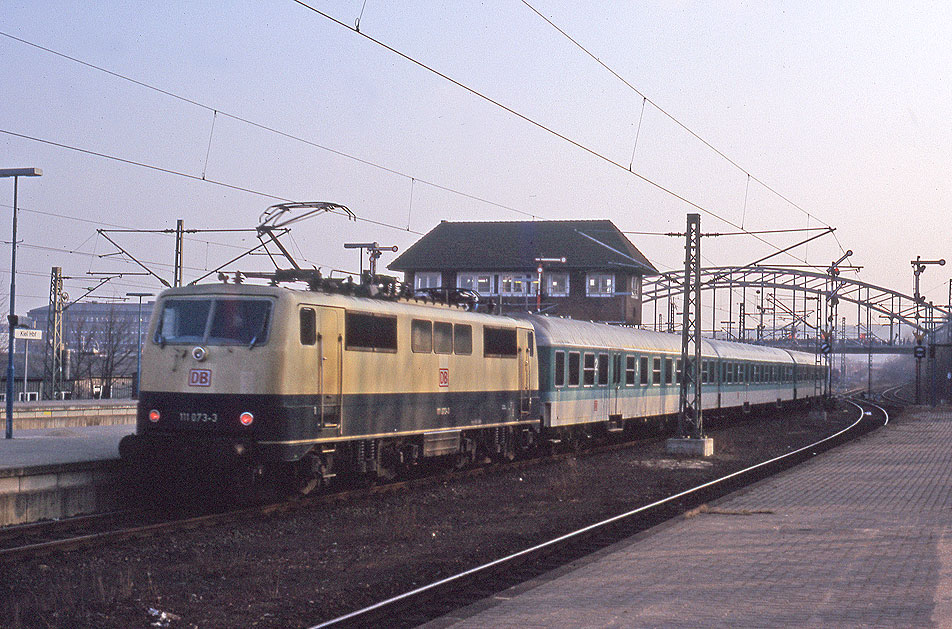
[[589, 269]]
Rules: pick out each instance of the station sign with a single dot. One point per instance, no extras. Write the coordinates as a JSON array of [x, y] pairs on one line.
[[28, 334]]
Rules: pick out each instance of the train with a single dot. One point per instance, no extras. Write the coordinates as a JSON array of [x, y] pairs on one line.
[[279, 385]]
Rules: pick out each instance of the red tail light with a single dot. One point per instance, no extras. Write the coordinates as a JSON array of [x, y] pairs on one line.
[[154, 415], [246, 418]]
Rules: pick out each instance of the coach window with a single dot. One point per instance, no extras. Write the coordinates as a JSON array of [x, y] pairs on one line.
[[588, 370], [499, 342], [574, 368], [560, 369], [629, 370], [463, 338], [421, 336], [655, 371], [616, 369], [443, 338], [668, 371], [308, 326], [369, 332], [643, 368], [678, 371], [602, 369]]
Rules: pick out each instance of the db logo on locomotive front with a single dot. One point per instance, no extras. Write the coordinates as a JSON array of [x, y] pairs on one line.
[[200, 378]]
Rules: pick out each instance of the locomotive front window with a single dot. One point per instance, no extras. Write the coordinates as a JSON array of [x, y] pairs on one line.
[[242, 321], [214, 321]]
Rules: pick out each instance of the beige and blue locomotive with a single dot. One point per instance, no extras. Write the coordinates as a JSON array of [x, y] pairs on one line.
[[306, 384], [269, 383]]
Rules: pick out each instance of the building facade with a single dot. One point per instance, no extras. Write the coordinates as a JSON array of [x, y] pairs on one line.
[[588, 269]]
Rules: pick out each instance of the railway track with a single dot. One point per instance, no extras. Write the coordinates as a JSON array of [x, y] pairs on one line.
[[50, 536], [441, 597]]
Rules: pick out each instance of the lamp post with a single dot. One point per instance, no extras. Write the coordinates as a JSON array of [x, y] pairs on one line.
[[16, 173], [139, 338]]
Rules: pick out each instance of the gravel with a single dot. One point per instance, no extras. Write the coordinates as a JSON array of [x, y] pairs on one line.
[[298, 568]]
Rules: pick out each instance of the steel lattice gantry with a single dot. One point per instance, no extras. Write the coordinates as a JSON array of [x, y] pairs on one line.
[[690, 423], [785, 294]]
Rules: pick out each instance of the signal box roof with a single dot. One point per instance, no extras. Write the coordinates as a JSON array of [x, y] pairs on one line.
[[501, 246]]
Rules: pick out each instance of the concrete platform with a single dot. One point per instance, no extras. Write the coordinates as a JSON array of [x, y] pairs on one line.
[[59, 472], [859, 537]]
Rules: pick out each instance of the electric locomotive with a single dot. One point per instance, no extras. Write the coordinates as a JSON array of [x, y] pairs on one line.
[[266, 383]]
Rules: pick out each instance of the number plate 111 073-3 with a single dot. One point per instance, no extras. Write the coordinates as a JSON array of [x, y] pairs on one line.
[[201, 418]]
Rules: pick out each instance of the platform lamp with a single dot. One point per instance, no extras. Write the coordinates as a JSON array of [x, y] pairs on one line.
[[139, 338], [16, 173]]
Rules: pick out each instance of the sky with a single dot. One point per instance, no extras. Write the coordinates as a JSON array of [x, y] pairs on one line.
[[757, 115]]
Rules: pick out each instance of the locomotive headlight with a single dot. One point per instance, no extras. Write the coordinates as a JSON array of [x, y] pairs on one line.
[[154, 415], [246, 418], [199, 353]]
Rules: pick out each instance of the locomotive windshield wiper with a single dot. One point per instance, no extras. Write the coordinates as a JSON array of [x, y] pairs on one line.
[[264, 325]]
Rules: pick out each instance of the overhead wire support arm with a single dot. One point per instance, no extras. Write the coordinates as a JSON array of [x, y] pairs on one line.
[[102, 232]]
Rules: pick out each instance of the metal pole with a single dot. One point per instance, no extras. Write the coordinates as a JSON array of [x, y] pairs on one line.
[[26, 365], [12, 317]]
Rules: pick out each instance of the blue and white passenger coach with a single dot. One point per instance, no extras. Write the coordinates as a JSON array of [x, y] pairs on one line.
[[600, 374]]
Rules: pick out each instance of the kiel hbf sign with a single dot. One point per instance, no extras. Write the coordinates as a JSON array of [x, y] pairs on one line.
[[28, 334]]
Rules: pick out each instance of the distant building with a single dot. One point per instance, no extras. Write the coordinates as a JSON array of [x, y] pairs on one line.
[[96, 325], [599, 280]]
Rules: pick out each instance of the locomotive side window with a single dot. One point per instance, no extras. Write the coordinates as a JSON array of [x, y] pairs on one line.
[[443, 338], [588, 370], [500, 342], [574, 368], [629, 370], [370, 332], [643, 368], [560, 369], [308, 326], [421, 336], [463, 338]]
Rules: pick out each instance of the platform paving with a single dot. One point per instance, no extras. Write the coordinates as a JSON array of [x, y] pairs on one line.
[[58, 446], [860, 536]]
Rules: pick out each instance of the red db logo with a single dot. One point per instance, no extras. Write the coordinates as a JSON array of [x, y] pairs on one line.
[[444, 377], [200, 378]]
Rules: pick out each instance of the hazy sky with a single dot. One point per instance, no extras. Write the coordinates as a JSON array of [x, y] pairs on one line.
[[843, 108]]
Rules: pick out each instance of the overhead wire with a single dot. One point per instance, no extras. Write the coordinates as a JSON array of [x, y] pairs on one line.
[[669, 115], [530, 121]]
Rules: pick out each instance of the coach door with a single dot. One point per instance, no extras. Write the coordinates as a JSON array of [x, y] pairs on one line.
[[330, 342], [526, 355]]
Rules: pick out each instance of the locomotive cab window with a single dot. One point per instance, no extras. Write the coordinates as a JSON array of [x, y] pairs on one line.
[[499, 342], [220, 321], [369, 332], [308, 326]]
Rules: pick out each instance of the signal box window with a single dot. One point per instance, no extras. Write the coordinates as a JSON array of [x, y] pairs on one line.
[[588, 370], [308, 326], [443, 338], [574, 368], [370, 332], [500, 342], [463, 339], [421, 336], [600, 285], [643, 368], [560, 369]]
